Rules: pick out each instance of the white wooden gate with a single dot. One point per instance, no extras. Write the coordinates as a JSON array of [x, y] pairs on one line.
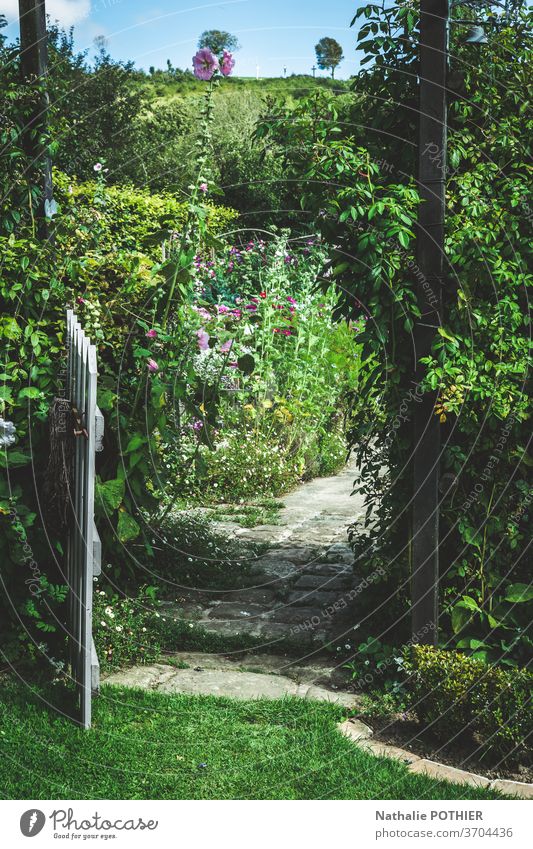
[[83, 547]]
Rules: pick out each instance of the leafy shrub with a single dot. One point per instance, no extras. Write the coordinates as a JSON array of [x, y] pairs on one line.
[[454, 694], [128, 218], [244, 465], [375, 666]]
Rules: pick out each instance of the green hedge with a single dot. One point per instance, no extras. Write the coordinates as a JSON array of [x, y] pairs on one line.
[[454, 693], [129, 218]]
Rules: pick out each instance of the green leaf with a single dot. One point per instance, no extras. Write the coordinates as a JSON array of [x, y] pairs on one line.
[[403, 239], [135, 442], [29, 392], [110, 494], [462, 614], [12, 459], [9, 328], [519, 593], [246, 364], [447, 335], [127, 527]]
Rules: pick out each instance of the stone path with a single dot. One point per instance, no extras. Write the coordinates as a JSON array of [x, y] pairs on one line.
[[294, 599], [300, 592], [253, 676]]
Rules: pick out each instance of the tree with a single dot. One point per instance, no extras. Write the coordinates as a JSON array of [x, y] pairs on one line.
[[218, 40], [328, 54]]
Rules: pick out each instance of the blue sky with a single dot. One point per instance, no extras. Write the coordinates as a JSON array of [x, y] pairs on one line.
[[273, 33]]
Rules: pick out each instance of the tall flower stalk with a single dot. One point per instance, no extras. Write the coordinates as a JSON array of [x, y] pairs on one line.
[[208, 68]]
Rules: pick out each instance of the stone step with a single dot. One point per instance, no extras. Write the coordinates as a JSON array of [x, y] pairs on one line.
[[319, 599], [325, 583], [340, 569], [237, 610]]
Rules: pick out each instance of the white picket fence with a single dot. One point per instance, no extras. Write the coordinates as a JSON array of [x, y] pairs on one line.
[[83, 547]]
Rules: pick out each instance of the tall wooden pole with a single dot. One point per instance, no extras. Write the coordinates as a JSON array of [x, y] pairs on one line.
[[432, 140], [33, 68]]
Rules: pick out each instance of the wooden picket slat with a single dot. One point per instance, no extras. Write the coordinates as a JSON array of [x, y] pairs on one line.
[[83, 547]]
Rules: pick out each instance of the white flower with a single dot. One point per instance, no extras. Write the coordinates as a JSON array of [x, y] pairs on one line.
[[7, 433], [118, 627], [98, 166], [109, 612]]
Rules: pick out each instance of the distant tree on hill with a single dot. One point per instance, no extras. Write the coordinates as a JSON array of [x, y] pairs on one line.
[[328, 54], [218, 40]]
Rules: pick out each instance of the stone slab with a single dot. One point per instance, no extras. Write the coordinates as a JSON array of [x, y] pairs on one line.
[[384, 750], [513, 788], [355, 730], [290, 615], [317, 598], [233, 684], [443, 772], [330, 569], [322, 582], [143, 677], [236, 610], [320, 694]]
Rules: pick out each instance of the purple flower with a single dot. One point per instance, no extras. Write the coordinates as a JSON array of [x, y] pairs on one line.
[[205, 64], [203, 188], [203, 339], [251, 307], [151, 334], [203, 313], [197, 424], [222, 309], [291, 300], [227, 64], [227, 346], [152, 365]]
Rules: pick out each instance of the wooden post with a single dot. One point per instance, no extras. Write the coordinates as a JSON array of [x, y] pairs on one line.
[[34, 66], [432, 141]]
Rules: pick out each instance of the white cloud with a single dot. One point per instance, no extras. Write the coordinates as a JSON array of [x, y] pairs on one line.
[[67, 12]]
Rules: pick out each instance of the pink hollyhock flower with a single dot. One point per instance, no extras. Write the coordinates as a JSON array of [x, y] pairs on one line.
[[227, 64], [203, 339], [237, 313], [203, 187], [152, 365], [227, 346], [251, 307], [205, 64], [151, 334]]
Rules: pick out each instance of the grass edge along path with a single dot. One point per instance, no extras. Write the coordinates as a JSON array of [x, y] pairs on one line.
[[148, 745]]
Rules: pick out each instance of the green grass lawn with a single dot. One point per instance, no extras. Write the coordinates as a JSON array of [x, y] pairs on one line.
[[146, 745]]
